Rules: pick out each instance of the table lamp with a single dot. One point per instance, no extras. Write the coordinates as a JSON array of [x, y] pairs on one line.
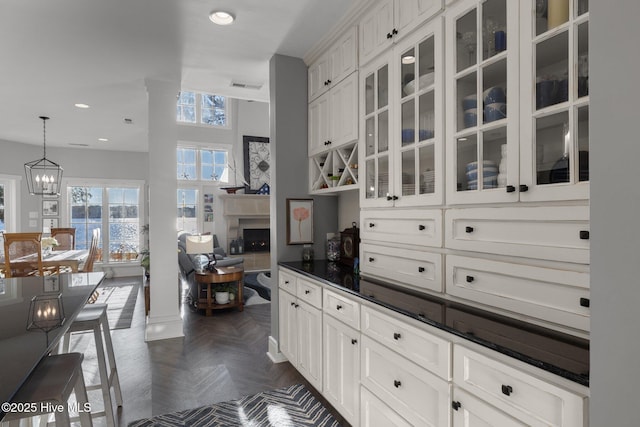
[[202, 245]]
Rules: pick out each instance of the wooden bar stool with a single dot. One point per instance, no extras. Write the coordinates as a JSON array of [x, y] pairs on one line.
[[51, 384], [93, 317]]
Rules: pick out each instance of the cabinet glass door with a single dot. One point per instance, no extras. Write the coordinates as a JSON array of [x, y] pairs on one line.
[[482, 154], [559, 106], [376, 136], [418, 83]]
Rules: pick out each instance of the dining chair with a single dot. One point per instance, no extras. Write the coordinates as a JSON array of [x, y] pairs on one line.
[[19, 245], [93, 251], [66, 237]]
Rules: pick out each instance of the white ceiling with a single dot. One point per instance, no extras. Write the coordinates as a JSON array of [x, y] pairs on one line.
[[99, 52]]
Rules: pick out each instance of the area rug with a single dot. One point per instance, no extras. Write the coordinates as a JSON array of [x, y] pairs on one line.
[[260, 282], [121, 299], [285, 407]]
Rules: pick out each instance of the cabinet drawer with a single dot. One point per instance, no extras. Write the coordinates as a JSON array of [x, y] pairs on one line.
[[428, 351], [421, 397], [309, 292], [554, 295], [414, 227], [375, 413], [416, 269], [287, 281], [342, 308], [504, 386], [558, 233], [469, 411]]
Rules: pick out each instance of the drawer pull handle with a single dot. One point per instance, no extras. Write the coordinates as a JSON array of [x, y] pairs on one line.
[[293, 303], [422, 227], [456, 405], [354, 341], [470, 279], [396, 336], [286, 282], [585, 302], [338, 307], [371, 225], [307, 292], [511, 189], [507, 390], [371, 259], [421, 269], [397, 383], [584, 234], [468, 229], [523, 188]]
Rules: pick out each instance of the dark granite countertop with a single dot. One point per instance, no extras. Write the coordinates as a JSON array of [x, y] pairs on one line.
[[562, 354]]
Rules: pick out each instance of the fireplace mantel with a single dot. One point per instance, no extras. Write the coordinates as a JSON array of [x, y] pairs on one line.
[[242, 211]]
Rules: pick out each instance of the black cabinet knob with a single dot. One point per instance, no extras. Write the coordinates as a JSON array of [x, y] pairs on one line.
[[524, 188], [307, 292], [510, 188], [293, 304], [354, 341], [584, 234], [397, 336], [394, 31], [470, 279], [328, 82], [395, 197], [297, 305], [338, 307], [585, 302], [456, 405], [371, 259], [389, 198], [397, 383], [468, 229], [422, 227], [507, 390], [286, 282], [371, 225], [420, 269], [389, 35]]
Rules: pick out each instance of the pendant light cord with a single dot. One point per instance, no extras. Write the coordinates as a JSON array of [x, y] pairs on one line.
[[44, 134]]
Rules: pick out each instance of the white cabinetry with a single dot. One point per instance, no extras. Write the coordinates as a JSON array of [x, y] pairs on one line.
[[334, 65], [401, 105], [523, 396], [300, 321], [391, 20], [342, 368]]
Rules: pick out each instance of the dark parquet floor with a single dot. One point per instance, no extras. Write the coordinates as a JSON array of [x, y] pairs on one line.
[[221, 357]]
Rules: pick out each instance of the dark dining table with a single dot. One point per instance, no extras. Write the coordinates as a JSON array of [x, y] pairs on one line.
[[28, 330]]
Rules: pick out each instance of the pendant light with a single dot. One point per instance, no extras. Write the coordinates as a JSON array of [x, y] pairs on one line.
[[43, 175]]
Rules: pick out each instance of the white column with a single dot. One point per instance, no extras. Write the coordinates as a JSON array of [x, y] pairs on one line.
[[164, 319]]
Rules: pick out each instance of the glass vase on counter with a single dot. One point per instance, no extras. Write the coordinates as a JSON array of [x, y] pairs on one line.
[[333, 248]]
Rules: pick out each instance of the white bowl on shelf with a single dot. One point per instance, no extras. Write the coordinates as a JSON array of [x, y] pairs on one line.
[[424, 80]]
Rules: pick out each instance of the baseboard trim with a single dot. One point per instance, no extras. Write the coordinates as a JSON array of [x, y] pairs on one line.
[[274, 354], [163, 327]]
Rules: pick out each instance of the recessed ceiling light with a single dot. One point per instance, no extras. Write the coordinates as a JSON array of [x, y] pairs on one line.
[[103, 139], [221, 17], [79, 105]]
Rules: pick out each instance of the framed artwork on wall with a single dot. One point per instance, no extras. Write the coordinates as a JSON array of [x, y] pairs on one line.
[[49, 207], [299, 221], [208, 207], [257, 161]]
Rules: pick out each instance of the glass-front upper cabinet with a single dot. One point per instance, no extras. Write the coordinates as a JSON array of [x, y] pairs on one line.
[[555, 116], [419, 136], [403, 122], [483, 102], [376, 134]]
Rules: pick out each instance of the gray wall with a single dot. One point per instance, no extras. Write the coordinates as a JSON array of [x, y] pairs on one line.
[[615, 209], [288, 114]]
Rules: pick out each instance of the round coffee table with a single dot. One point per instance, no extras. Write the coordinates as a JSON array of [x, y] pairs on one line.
[[217, 276]]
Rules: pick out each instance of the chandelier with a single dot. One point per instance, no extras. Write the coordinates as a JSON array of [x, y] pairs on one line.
[[43, 175]]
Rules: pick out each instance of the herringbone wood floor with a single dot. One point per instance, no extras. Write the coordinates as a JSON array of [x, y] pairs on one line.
[[220, 358]]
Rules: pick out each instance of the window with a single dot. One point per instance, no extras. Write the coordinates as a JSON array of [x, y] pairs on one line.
[[202, 165], [202, 108], [188, 210], [8, 206], [116, 210], [187, 163]]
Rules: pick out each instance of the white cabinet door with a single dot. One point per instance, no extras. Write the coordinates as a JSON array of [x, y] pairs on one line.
[[343, 114], [376, 31], [469, 411], [319, 125], [288, 326], [409, 14], [341, 385], [375, 413], [318, 77], [343, 57], [310, 343]]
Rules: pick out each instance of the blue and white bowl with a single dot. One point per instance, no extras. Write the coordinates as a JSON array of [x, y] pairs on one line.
[[469, 101], [485, 164]]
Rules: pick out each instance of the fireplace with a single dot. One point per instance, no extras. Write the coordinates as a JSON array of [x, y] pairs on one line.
[[256, 239]]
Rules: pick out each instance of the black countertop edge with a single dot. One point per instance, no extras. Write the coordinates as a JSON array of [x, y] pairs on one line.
[[304, 269]]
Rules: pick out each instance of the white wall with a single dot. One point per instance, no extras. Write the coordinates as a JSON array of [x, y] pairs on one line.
[[615, 211]]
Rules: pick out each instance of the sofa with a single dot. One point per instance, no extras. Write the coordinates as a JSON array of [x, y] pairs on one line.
[[190, 263]]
